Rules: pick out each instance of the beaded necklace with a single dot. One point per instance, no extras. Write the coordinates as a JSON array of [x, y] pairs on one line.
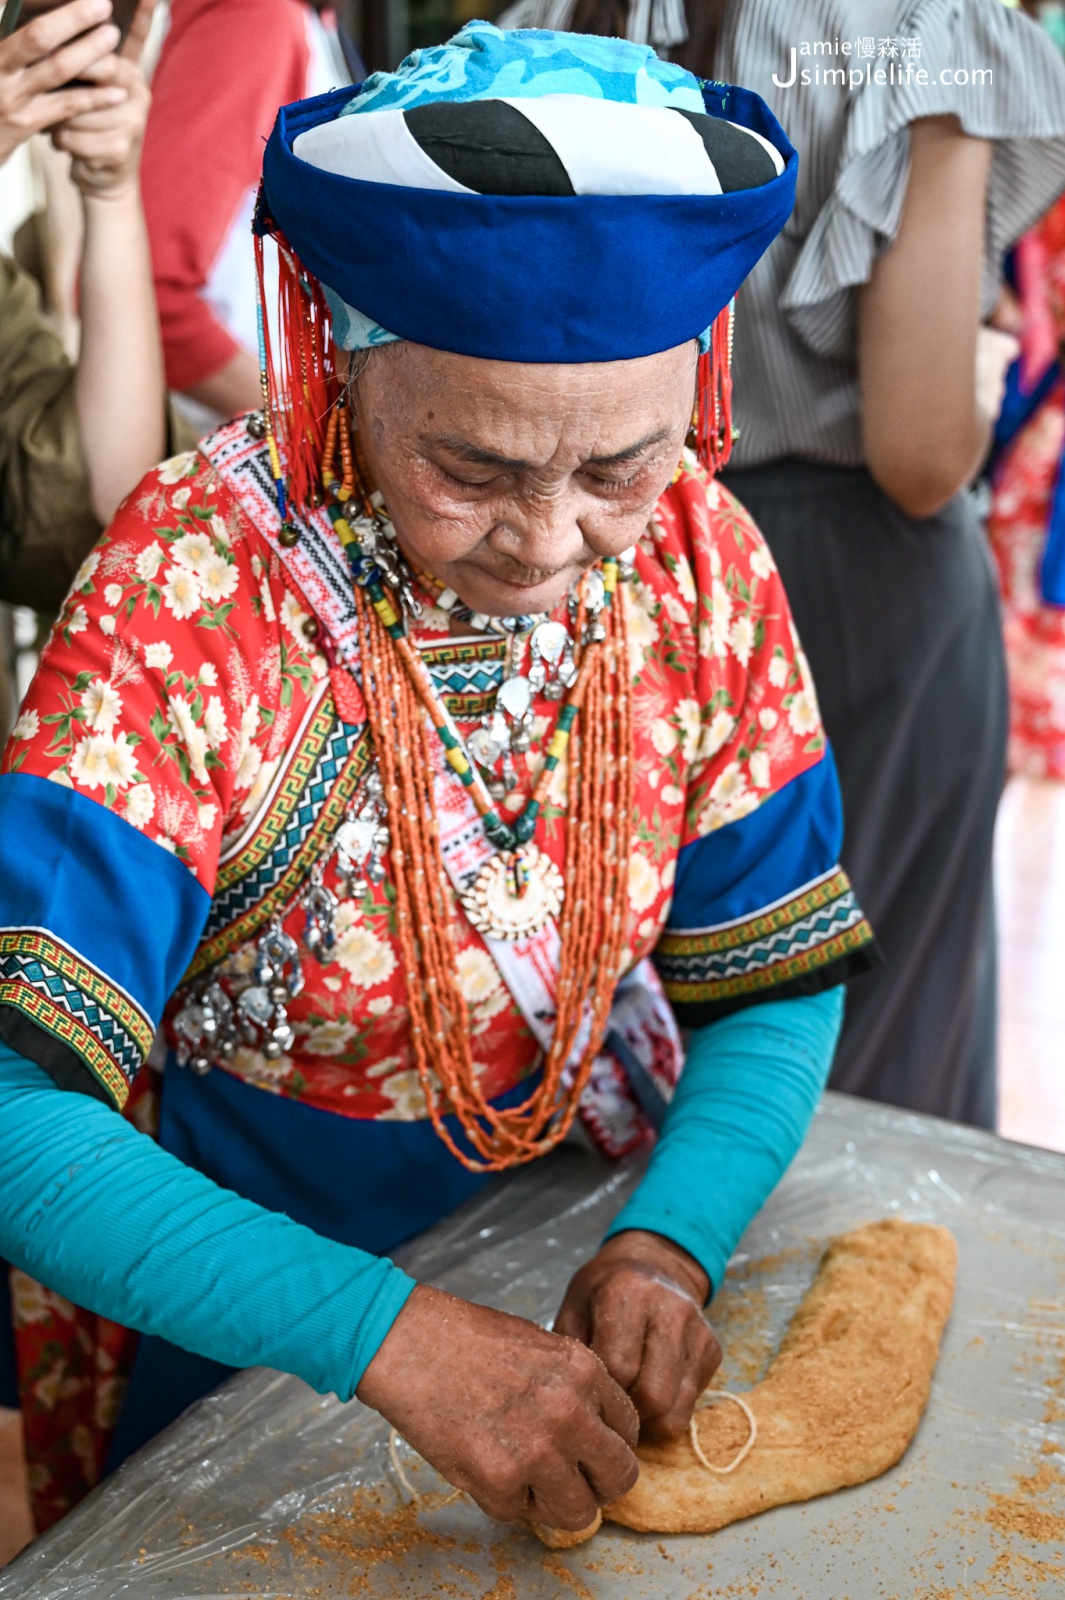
[[480, 621], [518, 890], [303, 400], [360, 523]]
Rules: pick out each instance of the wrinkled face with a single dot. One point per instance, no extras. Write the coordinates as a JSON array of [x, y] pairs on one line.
[[506, 481]]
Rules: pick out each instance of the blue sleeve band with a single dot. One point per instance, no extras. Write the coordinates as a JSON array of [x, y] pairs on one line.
[[750, 1086], [762, 909], [99, 1213], [97, 926], [791, 839]]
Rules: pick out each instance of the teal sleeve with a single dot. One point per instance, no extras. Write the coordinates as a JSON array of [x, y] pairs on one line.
[[749, 1089], [98, 1212]]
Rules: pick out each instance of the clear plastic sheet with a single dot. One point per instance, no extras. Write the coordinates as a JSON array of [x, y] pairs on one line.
[[267, 1489]]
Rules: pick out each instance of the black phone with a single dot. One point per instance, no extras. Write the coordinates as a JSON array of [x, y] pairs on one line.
[[18, 12]]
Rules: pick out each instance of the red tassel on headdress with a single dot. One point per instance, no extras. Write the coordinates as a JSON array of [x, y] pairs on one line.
[[713, 428], [300, 377]]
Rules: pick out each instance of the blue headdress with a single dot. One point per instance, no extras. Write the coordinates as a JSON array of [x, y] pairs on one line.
[[523, 196]]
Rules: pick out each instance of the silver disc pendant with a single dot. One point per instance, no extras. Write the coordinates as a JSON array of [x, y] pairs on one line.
[[549, 641], [486, 745], [514, 895], [514, 696]]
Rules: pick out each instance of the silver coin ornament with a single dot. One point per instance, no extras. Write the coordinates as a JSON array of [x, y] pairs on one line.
[[485, 746], [515, 697], [552, 656], [363, 838], [549, 641], [205, 1028], [278, 978], [320, 907], [254, 1006], [354, 838]]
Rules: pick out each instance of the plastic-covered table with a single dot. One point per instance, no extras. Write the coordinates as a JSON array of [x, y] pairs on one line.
[[267, 1489]]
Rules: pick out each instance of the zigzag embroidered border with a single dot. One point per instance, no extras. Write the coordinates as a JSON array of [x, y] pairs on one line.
[[316, 564], [301, 763], [307, 808], [467, 675], [59, 991], [817, 927]]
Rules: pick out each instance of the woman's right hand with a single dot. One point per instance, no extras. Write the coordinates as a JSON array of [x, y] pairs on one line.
[[105, 146], [528, 1423], [38, 62]]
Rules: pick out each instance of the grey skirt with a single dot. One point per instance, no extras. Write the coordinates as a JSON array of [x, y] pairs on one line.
[[900, 620]]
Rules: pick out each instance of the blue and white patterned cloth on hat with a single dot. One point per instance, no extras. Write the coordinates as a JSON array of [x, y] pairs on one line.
[[471, 157], [483, 62]]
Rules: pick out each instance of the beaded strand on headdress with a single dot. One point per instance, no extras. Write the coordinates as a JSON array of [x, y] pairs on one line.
[[276, 471], [714, 433]]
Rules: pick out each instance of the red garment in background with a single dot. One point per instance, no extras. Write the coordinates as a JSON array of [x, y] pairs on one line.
[[226, 67], [1023, 492]]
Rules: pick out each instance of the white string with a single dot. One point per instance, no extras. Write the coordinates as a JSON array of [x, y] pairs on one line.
[[395, 1438], [708, 1399]]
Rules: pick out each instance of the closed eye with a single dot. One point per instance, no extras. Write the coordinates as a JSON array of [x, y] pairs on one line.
[[617, 485], [465, 483]]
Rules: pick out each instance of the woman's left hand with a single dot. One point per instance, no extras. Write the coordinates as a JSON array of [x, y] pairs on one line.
[[638, 1304]]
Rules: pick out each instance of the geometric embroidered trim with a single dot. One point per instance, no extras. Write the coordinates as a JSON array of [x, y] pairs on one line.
[[466, 674], [308, 806], [66, 997], [302, 761], [817, 927], [464, 656], [732, 935]]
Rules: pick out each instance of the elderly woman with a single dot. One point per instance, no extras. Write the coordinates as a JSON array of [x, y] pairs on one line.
[[418, 754]]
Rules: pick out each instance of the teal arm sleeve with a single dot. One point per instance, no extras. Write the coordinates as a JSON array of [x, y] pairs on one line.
[[101, 1214], [745, 1099]]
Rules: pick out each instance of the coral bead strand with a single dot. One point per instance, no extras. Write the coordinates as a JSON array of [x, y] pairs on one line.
[[591, 931]]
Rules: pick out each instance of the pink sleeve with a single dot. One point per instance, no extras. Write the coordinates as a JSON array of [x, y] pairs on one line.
[[226, 67]]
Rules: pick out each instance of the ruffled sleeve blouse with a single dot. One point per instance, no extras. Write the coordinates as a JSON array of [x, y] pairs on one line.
[[847, 78]]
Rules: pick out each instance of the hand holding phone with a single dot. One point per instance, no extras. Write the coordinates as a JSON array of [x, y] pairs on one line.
[[39, 61], [19, 13], [105, 146]]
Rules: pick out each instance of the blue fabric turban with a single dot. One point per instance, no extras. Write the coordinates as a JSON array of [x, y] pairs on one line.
[[529, 196]]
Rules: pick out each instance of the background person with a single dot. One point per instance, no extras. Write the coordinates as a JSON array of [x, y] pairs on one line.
[[1028, 503], [225, 67], [1026, 526], [75, 438], [866, 393]]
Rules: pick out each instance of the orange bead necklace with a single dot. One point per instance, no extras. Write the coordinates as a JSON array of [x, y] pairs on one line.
[[592, 931]]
